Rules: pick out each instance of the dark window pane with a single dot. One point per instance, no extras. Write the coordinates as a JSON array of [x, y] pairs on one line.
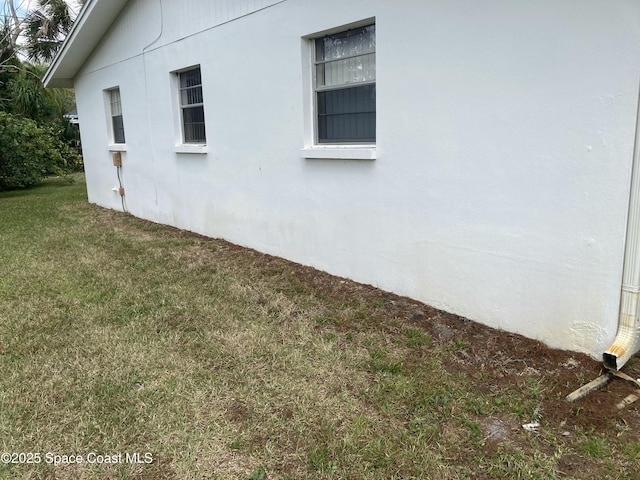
[[190, 78], [347, 115], [193, 121], [194, 133], [193, 115], [118, 129], [191, 96]]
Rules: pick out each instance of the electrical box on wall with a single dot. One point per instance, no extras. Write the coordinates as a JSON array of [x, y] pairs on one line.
[[117, 159]]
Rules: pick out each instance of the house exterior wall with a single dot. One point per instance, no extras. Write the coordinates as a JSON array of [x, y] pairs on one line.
[[505, 135]]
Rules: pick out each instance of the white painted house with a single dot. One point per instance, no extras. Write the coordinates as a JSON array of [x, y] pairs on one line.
[[474, 155]]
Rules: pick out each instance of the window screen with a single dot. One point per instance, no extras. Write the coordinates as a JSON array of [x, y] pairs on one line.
[[192, 106], [116, 115], [345, 83]]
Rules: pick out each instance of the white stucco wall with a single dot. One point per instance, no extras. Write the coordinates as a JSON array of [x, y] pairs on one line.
[[505, 135]]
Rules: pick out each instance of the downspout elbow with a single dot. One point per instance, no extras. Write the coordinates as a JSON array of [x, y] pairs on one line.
[[625, 345], [627, 340]]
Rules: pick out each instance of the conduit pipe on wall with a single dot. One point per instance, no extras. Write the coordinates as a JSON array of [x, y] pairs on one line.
[[146, 96], [627, 341]]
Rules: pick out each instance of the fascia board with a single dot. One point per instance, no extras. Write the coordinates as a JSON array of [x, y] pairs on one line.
[[91, 25]]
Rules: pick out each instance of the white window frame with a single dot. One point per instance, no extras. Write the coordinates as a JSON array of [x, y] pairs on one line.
[[113, 143], [181, 145], [313, 149]]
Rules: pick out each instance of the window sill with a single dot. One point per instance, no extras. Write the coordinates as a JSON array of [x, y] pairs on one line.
[[117, 147], [186, 148], [335, 152]]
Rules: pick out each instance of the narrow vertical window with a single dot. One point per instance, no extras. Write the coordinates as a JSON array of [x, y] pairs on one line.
[[117, 123], [192, 106], [345, 86]]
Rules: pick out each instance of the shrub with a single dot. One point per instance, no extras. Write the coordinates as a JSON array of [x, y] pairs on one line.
[[29, 152]]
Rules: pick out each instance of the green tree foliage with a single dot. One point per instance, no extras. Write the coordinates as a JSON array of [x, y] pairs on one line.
[[30, 152], [35, 137], [46, 28], [26, 96]]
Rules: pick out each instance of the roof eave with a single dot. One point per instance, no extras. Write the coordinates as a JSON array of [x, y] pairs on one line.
[[92, 23]]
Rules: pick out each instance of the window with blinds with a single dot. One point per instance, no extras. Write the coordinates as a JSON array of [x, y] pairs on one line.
[[192, 106], [345, 86], [117, 123]]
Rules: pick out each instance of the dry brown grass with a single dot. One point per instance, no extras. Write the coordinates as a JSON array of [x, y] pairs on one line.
[[119, 335]]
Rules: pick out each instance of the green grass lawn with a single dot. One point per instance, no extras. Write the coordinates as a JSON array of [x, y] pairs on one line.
[[153, 353]]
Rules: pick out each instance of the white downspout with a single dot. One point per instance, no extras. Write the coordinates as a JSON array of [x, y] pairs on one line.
[[627, 341]]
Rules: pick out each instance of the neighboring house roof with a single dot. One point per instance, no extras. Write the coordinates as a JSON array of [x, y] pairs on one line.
[[92, 23]]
